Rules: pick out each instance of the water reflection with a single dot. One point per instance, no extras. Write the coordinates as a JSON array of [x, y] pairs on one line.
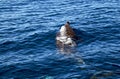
[[66, 50], [71, 52]]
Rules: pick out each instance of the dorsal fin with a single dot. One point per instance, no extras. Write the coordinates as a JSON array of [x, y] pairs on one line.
[[69, 30]]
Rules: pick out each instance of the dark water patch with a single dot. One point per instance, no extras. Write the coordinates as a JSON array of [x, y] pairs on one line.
[[8, 9], [102, 74], [6, 69], [5, 46]]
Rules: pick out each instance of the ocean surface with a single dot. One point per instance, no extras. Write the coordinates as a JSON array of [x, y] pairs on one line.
[[27, 39]]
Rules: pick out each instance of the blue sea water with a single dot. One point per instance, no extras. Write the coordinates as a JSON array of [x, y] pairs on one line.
[[27, 39]]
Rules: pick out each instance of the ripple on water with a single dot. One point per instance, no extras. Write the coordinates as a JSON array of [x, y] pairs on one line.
[[27, 39]]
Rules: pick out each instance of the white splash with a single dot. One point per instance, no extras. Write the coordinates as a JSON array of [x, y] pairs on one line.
[[63, 31], [64, 38], [69, 41]]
